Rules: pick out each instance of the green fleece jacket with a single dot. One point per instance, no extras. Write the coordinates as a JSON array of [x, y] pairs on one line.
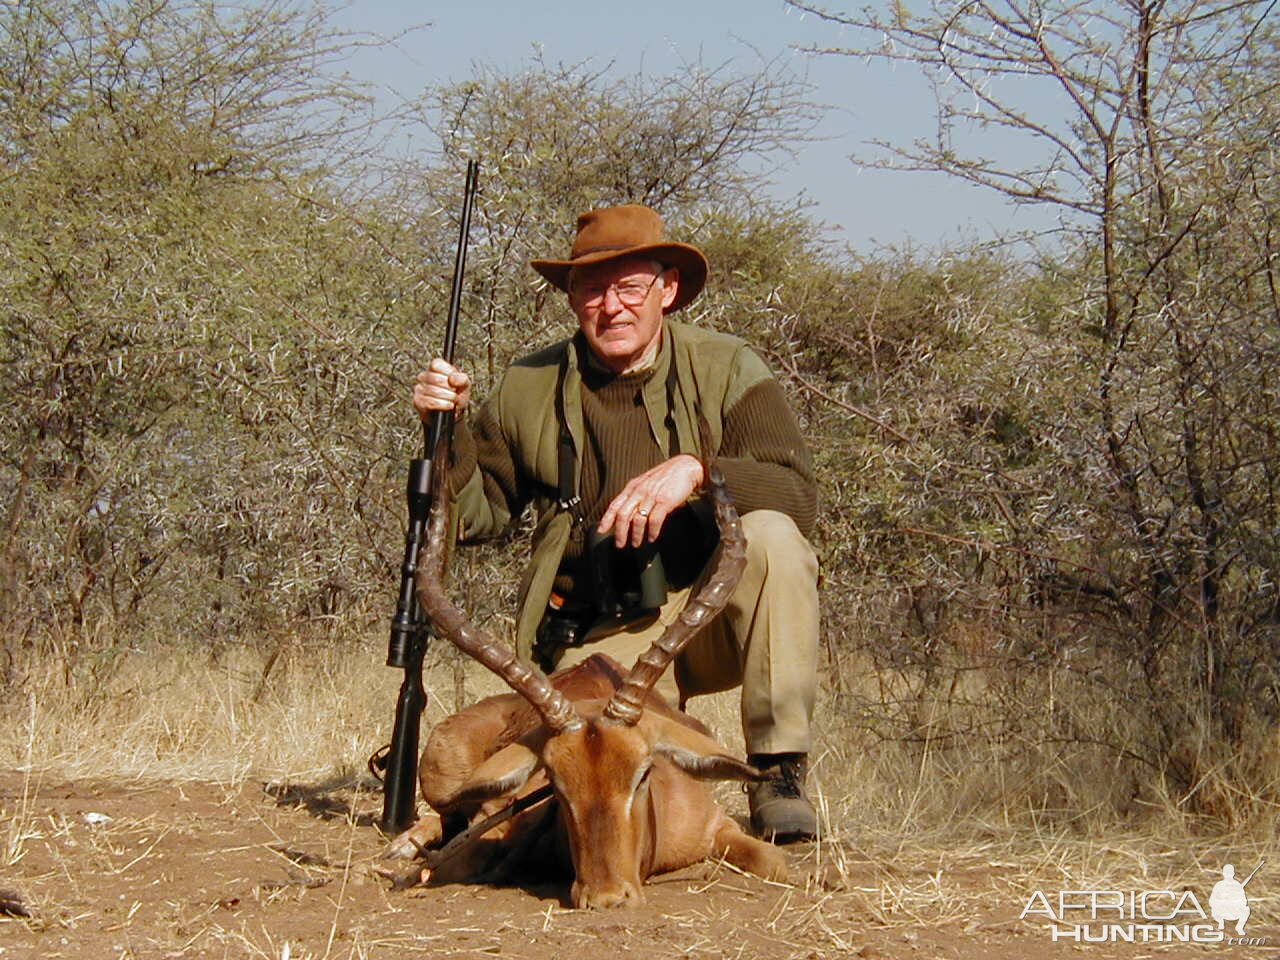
[[714, 372]]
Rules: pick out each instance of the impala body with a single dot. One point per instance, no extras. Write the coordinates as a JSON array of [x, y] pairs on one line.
[[624, 765]]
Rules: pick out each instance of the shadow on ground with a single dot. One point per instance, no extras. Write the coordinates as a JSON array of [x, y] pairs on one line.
[[337, 798]]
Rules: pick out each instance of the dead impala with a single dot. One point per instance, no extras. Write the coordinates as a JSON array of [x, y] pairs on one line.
[[624, 765]]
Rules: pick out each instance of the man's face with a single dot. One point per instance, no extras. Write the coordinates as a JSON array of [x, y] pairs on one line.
[[619, 307]]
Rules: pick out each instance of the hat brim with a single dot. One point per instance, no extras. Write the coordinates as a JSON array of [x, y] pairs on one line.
[[685, 258]]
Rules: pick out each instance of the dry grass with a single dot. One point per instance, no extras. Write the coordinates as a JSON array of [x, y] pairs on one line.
[[313, 711], [18, 829], [920, 835], [916, 838], [307, 711]]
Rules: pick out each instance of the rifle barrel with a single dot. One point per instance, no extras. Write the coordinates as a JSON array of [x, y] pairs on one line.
[[408, 628], [443, 419]]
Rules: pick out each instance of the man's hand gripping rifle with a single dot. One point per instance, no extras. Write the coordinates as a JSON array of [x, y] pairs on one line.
[[409, 628]]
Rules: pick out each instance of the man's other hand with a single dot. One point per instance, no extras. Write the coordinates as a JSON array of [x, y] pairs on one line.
[[645, 502]]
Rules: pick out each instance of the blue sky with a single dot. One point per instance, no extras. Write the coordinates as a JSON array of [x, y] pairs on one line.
[[868, 207]]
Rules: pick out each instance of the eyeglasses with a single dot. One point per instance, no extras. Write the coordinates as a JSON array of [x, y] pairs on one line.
[[631, 292]]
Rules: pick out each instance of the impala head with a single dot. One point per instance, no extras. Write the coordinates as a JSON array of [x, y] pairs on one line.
[[603, 772], [602, 757]]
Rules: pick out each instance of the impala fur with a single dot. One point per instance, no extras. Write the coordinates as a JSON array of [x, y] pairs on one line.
[[624, 764]]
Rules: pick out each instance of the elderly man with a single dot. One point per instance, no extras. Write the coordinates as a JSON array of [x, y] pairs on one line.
[[600, 433]]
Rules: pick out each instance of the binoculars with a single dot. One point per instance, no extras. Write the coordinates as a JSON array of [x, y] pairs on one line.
[[629, 582]]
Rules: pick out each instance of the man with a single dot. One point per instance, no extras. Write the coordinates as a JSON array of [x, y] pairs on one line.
[[600, 433]]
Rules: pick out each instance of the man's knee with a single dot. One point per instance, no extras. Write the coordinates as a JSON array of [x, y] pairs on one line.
[[775, 544]]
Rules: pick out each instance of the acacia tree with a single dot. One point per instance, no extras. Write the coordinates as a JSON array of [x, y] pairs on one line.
[[210, 315], [1149, 125], [169, 297], [555, 140]]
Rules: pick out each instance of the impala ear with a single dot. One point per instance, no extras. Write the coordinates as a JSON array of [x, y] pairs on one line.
[[717, 766], [700, 756], [505, 772]]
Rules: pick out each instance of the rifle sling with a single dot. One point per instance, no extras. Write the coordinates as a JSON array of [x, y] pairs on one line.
[[434, 858]]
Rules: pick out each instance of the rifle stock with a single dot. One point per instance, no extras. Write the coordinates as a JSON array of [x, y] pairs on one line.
[[409, 629]]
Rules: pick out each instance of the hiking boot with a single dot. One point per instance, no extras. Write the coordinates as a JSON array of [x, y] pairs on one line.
[[780, 811]]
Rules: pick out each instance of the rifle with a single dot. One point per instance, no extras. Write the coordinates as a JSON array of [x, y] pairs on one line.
[[409, 629]]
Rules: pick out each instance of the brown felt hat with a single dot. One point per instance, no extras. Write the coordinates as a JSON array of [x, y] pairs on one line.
[[628, 231]]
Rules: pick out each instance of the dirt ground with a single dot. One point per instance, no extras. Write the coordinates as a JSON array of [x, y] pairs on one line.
[[186, 870]]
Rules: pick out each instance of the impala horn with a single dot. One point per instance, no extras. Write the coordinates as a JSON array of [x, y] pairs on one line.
[[714, 588], [556, 710]]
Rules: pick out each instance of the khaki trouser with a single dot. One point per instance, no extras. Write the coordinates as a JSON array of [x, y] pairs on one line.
[[766, 639]]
